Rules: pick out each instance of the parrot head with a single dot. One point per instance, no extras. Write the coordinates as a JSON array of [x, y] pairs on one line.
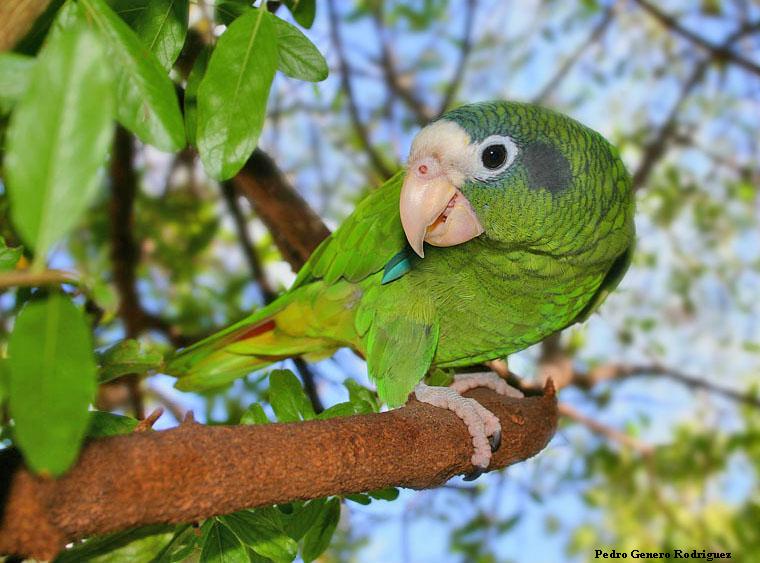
[[514, 174]]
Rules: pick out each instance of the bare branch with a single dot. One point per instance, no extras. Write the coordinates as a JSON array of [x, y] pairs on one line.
[[422, 113], [360, 127], [163, 477], [246, 244], [718, 52], [608, 432], [29, 278], [17, 18], [596, 33], [464, 53], [611, 371], [297, 230]]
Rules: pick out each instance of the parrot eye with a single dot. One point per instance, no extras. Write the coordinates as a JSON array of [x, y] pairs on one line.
[[493, 156]]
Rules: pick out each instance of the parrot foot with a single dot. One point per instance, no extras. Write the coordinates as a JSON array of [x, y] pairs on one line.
[[483, 425], [466, 381]]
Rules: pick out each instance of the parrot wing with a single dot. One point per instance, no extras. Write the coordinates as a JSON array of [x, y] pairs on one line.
[[365, 241], [609, 283], [401, 337]]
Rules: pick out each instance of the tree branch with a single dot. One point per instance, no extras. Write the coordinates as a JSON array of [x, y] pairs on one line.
[[297, 230], [360, 128], [251, 256], [608, 432], [596, 33], [16, 19], [464, 53], [719, 52], [163, 477]]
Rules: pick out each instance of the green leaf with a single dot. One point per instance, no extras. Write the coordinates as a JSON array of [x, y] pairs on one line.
[[52, 382], [161, 24], [287, 397], [15, 74], [232, 96], [298, 57], [220, 545], [127, 356], [254, 414], [58, 138], [109, 424], [191, 93], [303, 11], [318, 537], [179, 548], [358, 393], [146, 101], [340, 409], [359, 498], [301, 521], [4, 375], [262, 530], [138, 545], [227, 11], [389, 493], [8, 256]]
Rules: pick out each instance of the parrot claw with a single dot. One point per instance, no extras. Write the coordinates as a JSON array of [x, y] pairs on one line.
[[494, 440], [484, 427], [475, 473]]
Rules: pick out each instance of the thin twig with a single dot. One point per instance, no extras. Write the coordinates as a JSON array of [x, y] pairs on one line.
[[422, 113], [721, 52], [607, 431], [564, 69], [464, 53], [345, 80], [246, 244], [29, 278]]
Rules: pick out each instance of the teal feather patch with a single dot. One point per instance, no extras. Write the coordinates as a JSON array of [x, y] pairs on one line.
[[397, 266]]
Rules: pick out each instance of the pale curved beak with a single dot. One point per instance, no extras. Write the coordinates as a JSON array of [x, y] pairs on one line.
[[433, 210]]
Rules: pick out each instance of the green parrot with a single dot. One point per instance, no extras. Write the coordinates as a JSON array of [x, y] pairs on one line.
[[509, 223]]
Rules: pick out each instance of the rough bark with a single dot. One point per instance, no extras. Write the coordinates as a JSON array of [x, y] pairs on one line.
[[297, 230], [16, 19], [196, 471]]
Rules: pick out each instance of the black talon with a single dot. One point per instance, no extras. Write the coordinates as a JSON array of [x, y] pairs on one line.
[[475, 473], [495, 440]]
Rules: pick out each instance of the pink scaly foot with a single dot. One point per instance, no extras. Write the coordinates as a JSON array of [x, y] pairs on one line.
[[483, 425]]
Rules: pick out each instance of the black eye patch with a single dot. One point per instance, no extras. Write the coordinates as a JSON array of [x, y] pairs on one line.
[[547, 167]]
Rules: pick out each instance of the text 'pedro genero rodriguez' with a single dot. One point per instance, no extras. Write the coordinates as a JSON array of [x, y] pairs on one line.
[[674, 554]]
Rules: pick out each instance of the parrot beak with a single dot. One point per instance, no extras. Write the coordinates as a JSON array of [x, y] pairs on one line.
[[433, 210]]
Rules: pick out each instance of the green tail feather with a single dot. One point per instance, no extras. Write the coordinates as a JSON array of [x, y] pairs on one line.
[[209, 363]]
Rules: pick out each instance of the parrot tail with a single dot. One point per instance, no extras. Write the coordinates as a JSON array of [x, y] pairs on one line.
[[249, 345]]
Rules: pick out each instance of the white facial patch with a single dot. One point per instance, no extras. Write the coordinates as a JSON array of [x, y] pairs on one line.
[[450, 144], [460, 159]]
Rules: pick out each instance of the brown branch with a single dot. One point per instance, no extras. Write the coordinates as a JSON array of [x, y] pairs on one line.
[[16, 19], [125, 252], [397, 85], [29, 278], [297, 230], [596, 33], [607, 372], [720, 52], [464, 53], [608, 432], [654, 150], [246, 244], [196, 471], [360, 127]]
